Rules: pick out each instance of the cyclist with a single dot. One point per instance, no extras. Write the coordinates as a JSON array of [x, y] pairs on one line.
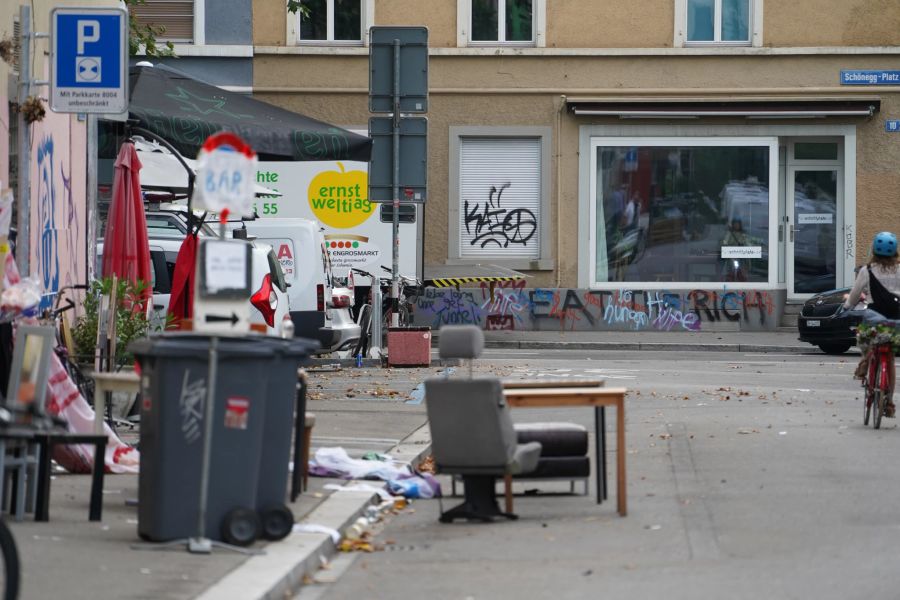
[[880, 281]]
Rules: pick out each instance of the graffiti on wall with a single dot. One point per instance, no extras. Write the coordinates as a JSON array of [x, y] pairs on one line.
[[510, 306], [491, 224], [58, 204], [48, 251]]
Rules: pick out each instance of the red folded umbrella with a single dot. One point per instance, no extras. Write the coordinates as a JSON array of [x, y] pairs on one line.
[[181, 300], [126, 249]]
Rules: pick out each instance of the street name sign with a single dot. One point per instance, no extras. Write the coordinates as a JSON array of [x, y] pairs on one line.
[[869, 77], [89, 60]]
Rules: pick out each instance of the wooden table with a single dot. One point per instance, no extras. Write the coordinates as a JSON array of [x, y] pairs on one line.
[[111, 382], [598, 397]]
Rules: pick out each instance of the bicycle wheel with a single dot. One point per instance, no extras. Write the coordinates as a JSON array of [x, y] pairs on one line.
[[10, 574], [365, 323], [879, 396], [403, 322], [868, 401]]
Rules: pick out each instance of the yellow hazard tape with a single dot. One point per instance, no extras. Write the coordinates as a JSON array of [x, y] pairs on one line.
[[458, 281]]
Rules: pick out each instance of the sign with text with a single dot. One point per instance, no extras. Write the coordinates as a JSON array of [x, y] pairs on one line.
[[225, 173], [892, 125], [741, 251], [336, 195], [815, 219], [89, 60], [870, 77]]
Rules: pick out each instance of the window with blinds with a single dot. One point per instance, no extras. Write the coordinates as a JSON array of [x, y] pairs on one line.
[[500, 197], [176, 16]]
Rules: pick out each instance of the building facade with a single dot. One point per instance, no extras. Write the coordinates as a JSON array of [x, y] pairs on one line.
[[650, 165]]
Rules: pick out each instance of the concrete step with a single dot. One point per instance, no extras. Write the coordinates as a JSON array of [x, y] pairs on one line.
[[786, 329], [793, 308]]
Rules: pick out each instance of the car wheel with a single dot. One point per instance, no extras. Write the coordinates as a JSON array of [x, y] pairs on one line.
[[835, 348]]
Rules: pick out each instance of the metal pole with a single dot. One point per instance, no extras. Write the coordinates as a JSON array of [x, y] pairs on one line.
[[375, 343], [201, 544], [395, 268], [23, 223], [92, 216]]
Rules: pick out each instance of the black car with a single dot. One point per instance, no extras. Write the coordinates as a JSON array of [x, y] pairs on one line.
[[823, 323]]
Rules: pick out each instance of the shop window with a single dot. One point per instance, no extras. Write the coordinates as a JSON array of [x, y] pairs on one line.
[[682, 213], [331, 21], [500, 196], [493, 22], [175, 17], [719, 21]]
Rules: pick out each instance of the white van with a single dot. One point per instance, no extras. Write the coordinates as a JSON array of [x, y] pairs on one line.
[[317, 312]]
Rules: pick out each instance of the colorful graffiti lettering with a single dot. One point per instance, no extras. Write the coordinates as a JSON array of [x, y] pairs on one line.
[[512, 306]]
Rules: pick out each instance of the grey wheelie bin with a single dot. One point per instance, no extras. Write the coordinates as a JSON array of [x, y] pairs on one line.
[[175, 369], [281, 394]]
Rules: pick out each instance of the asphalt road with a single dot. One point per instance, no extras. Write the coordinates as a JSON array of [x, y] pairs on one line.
[[749, 476]]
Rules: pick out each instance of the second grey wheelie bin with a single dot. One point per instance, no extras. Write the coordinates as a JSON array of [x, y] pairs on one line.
[[174, 373]]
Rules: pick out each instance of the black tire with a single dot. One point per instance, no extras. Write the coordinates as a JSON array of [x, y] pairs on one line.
[[868, 401], [835, 347], [10, 575], [879, 397], [241, 527], [277, 522]]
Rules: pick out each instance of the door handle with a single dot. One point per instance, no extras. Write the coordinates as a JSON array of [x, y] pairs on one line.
[[781, 233], [792, 233]]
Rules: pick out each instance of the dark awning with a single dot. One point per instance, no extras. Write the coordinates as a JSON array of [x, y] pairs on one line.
[[185, 111], [749, 108]]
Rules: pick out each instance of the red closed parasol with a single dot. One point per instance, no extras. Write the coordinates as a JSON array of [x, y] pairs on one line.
[[126, 249]]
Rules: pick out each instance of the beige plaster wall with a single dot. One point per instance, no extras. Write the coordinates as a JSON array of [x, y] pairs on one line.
[[593, 24], [270, 22], [831, 23], [525, 91], [438, 15]]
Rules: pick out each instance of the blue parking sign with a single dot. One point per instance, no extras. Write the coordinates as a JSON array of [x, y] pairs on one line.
[[89, 60]]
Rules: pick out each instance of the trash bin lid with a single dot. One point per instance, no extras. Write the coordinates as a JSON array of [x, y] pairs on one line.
[[294, 347], [194, 345]]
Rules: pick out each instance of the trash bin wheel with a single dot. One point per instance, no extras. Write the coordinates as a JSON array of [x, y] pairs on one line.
[[277, 522], [241, 527]]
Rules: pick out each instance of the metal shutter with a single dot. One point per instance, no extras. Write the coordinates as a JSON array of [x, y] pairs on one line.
[[177, 16], [500, 197]]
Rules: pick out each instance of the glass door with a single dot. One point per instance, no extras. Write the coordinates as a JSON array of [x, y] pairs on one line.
[[812, 228]]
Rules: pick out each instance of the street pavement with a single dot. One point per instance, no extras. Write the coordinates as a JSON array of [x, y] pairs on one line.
[[748, 472]]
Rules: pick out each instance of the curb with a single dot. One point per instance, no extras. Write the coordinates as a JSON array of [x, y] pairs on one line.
[[648, 346], [280, 572]]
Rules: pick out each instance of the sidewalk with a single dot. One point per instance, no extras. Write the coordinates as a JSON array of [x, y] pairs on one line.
[[677, 341], [71, 557]]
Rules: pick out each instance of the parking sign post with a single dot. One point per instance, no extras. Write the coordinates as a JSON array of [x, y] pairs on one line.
[[89, 60]]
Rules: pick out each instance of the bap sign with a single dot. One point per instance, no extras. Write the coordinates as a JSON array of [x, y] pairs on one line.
[[225, 175], [89, 60]]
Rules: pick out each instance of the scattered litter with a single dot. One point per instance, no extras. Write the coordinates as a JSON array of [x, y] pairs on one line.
[[782, 433], [802, 390], [747, 430], [314, 528], [653, 527]]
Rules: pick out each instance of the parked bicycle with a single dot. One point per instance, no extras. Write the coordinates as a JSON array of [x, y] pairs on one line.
[[879, 377], [410, 289]]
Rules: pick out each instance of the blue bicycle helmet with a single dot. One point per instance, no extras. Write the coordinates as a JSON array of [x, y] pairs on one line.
[[884, 244]]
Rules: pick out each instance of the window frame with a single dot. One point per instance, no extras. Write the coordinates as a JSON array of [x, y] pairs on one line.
[[198, 37], [464, 27], [755, 27], [367, 19], [741, 141], [544, 261]]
